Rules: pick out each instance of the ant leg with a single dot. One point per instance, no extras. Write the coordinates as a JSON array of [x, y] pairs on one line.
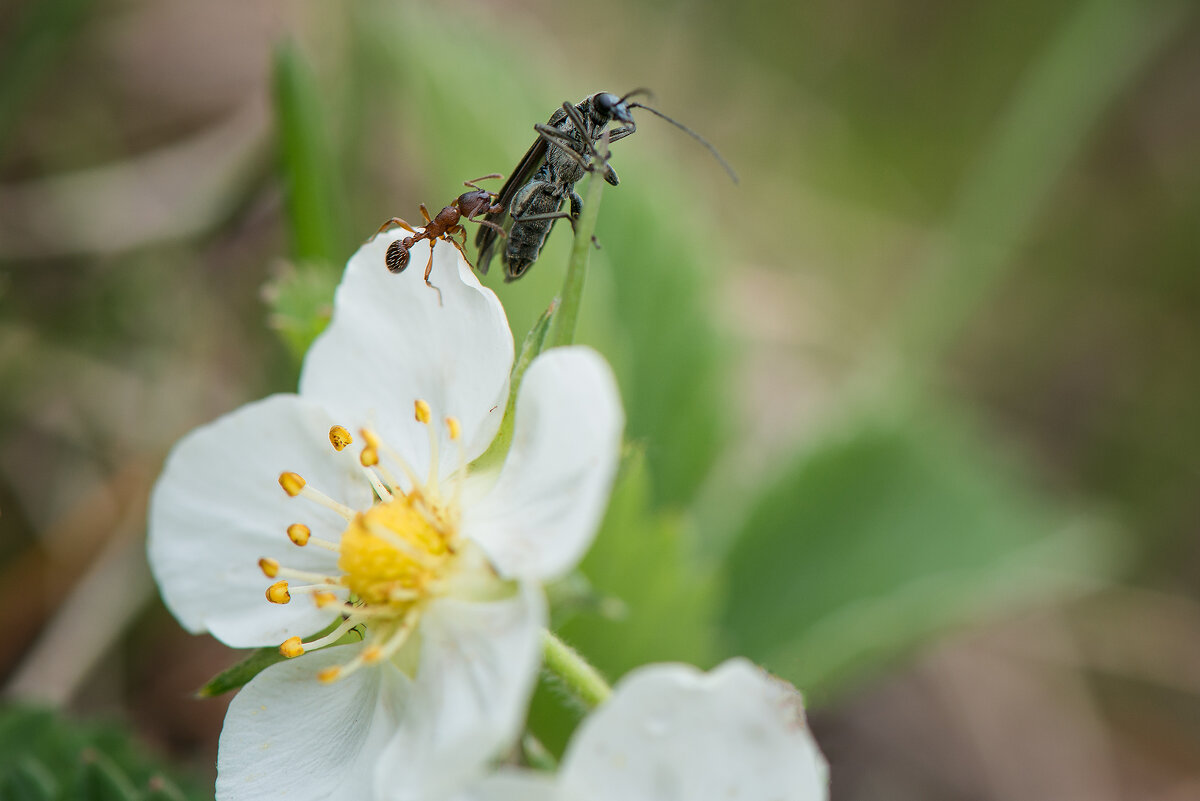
[[471, 183], [425, 214], [429, 269], [460, 250], [394, 221]]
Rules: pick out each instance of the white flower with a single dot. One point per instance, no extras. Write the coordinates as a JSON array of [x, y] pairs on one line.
[[672, 733], [390, 531]]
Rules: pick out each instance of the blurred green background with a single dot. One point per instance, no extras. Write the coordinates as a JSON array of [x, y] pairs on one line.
[[911, 407]]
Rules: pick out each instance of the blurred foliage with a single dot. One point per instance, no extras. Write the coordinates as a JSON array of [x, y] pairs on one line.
[[885, 532], [44, 757], [992, 208]]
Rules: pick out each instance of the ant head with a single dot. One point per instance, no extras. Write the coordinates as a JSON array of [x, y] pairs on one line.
[[397, 254]]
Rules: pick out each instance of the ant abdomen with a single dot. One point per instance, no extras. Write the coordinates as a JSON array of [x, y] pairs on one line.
[[397, 254]]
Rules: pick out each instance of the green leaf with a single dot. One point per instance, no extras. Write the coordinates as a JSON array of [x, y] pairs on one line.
[[886, 533], [535, 342]]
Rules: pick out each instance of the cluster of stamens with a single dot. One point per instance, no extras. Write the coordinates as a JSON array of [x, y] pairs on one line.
[[394, 556]]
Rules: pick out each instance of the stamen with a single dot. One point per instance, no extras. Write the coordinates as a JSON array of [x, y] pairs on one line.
[[292, 483], [432, 481], [376, 444], [278, 593], [393, 642], [269, 567], [325, 598], [331, 637], [291, 647], [308, 575], [460, 476], [423, 412], [299, 533], [380, 490], [339, 438]]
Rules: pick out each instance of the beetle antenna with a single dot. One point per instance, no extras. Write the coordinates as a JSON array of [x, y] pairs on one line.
[[641, 90], [691, 133]]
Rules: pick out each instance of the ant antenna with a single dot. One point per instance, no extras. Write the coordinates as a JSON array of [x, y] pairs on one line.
[[689, 132], [641, 90]]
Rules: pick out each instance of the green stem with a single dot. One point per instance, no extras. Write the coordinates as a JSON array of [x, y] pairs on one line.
[[572, 291], [576, 672]]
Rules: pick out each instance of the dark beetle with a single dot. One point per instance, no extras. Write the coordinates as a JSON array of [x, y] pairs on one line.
[[546, 176]]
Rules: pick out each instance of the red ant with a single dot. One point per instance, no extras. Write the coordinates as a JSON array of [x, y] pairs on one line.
[[468, 205]]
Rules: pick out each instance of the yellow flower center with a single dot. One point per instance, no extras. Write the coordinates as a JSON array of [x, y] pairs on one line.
[[393, 552], [393, 556]]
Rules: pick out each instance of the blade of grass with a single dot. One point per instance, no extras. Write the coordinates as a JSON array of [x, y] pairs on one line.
[[306, 161]]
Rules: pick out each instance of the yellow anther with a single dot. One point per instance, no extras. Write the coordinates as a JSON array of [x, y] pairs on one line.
[[299, 533], [339, 438], [424, 413], [292, 483], [370, 457], [329, 674], [291, 647], [269, 567], [278, 593], [372, 654], [454, 426], [369, 437], [324, 598]]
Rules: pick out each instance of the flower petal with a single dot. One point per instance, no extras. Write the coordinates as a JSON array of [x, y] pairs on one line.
[[390, 343], [479, 662], [543, 511], [287, 735], [218, 507], [513, 785], [672, 733]]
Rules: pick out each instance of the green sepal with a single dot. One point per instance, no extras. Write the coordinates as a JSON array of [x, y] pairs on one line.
[[534, 344], [300, 297], [259, 660]]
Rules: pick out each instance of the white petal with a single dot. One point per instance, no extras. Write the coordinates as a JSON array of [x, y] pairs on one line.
[[289, 736], [218, 508], [389, 343], [513, 785], [672, 733], [479, 662], [543, 511]]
